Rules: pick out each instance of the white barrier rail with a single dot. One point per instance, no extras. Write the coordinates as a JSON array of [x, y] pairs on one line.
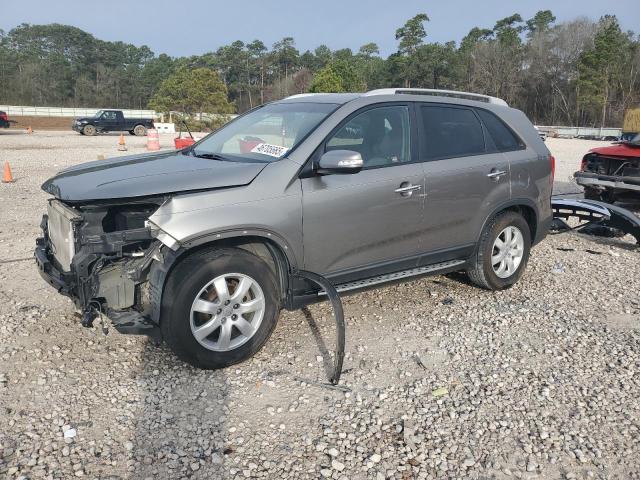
[[580, 131], [26, 111]]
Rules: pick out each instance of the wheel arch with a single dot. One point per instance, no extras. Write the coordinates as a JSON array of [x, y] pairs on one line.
[[525, 207], [264, 246]]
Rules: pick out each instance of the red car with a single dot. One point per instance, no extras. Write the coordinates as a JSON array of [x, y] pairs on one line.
[[608, 173], [4, 120]]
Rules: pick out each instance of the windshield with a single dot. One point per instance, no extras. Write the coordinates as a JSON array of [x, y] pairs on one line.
[[98, 114], [267, 133]]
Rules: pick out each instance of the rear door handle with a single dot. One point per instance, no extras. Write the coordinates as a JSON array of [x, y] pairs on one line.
[[406, 189], [495, 174]]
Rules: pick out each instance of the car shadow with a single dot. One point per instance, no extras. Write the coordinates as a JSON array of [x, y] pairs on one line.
[[180, 423], [327, 360]]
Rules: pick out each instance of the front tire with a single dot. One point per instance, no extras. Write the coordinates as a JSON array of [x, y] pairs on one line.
[[139, 131], [502, 254], [219, 307], [89, 130]]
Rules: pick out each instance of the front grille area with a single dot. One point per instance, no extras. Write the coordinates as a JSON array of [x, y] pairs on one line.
[[61, 235]]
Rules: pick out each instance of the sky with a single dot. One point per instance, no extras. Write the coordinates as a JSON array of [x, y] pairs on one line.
[[191, 27]]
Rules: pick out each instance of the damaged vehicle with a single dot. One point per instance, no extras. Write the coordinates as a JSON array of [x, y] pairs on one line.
[[611, 173], [203, 247]]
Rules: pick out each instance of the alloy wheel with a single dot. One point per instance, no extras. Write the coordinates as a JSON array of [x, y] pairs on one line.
[[227, 312], [507, 252]]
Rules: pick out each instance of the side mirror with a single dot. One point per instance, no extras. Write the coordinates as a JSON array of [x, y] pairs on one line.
[[340, 162]]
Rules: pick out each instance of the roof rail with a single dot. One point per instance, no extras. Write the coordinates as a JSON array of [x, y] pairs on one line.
[[439, 93], [302, 95]]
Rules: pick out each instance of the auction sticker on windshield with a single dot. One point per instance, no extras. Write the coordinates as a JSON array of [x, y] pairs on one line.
[[271, 150]]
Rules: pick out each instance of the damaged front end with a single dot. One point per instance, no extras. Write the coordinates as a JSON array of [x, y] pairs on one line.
[[614, 169], [100, 256]]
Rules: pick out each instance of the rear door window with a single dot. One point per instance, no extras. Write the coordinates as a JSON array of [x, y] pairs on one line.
[[450, 132], [504, 139]]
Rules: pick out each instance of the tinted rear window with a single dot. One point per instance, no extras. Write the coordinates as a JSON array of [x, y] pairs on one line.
[[451, 132], [504, 139]]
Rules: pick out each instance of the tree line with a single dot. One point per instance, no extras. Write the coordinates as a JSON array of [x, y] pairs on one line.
[[579, 72]]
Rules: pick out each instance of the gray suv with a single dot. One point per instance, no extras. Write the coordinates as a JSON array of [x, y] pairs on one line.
[[202, 246]]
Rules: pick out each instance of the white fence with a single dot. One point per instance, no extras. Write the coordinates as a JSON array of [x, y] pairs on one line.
[[572, 132], [23, 111]]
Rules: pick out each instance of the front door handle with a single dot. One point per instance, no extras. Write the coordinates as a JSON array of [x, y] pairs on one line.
[[495, 174], [406, 189]]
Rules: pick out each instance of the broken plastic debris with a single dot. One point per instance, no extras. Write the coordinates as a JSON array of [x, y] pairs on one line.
[[439, 392], [70, 433]]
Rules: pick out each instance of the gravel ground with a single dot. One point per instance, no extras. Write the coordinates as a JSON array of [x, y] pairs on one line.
[[441, 380]]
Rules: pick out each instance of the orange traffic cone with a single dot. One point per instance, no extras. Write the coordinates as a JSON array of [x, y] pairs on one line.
[[7, 177], [29, 130], [121, 145]]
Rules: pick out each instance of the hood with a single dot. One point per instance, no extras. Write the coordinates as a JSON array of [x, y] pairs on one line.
[[84, 119], [619, 150], [147, 174]]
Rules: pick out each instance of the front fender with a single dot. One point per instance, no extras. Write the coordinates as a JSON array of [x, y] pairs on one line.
[[269, 207]]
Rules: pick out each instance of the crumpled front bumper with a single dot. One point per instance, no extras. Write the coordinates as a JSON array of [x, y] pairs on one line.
[[62, 282], [618, 182], [75, 286]]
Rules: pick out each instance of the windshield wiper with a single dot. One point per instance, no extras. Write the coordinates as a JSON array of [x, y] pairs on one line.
[[212, 156], [217, 156]]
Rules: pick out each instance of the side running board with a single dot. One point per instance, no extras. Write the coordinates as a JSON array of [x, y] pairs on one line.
[[390, 277]]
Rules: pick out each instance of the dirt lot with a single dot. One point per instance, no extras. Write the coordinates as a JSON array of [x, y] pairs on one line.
[[41, 123], [442, 380]]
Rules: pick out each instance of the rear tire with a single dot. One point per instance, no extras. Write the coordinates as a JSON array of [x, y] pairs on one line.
[[131, 132], [496, 265], [139, 131], [194, 304]]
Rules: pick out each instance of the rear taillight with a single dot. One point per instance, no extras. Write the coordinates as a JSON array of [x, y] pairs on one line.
[[552, 161], [3, 116]]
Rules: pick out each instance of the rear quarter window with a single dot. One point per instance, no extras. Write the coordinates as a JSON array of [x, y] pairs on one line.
[[503, 137], [451, 132]]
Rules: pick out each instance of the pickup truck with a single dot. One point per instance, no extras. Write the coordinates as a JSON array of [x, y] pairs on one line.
[[111, 121]]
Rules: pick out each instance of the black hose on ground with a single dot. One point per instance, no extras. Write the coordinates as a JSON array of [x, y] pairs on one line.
[[338, 314]]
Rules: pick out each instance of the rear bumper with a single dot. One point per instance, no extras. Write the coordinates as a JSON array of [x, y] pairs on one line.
[[4, 124], [542, 230], [617, 182]]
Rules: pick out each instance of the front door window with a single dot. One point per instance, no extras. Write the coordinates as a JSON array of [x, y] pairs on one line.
[[380, 135]]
